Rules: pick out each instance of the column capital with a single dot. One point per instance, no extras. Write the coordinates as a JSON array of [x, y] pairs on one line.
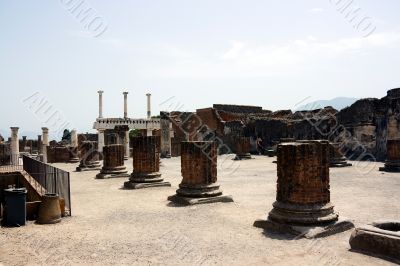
[[14, 128], [45, 129], [125, 93], [100, 92]]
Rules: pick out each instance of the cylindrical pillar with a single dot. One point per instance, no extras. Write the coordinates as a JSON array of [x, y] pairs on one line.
[[303, 190], [165, 124], [39, 145], [199, 175], [100, 103], [146, 163], [14, 146], [125, 104], [90, 157], [100, 136], [243, 147], [336, 157], [113, 162], [148, 105], [45, 143], [127, 149], [74, 138], [392, 163]]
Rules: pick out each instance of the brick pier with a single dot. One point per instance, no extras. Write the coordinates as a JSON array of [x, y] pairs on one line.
[[303, 192], [336, 157], [146, 163], [199, 175], [113, 162], [392, 163], [243, 147]]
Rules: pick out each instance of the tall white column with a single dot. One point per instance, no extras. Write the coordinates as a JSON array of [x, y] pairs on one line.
[[100, 103], [127, 149], [45, 142], [148, 105], [100, 135], [125, 104], [74, 138], [14, 146]]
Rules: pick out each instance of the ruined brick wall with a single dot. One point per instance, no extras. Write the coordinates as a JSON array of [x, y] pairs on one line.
[[241, 109], [393, 150], [58, 154], [303, 173], [89, 151], [146, 154], [199, 163], [211, 119], [87, 137]]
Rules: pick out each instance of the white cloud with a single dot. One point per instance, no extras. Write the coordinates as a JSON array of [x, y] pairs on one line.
[[316, 10], [233, 53]]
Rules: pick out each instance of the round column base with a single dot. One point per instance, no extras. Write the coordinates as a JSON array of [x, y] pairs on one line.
[[89, 166], [112, 172], [199, 191], [339, 162], [146, 177], [246, 156], [391, 166], [296, 214]]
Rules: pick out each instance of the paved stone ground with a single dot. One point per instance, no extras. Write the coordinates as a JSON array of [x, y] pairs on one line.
[[114, 226]]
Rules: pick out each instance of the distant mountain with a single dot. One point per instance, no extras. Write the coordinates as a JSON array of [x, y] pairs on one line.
[[338, 103]]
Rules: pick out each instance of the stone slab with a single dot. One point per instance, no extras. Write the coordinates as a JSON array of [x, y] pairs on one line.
[[194, 201], [132, 185], [372, 240], [309, 232], [107, 176]]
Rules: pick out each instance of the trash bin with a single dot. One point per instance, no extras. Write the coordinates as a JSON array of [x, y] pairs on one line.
[[15, 204]]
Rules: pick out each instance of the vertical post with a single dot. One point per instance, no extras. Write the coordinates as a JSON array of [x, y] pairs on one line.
[[100, 103], [125, 93], [165, 125], [39, 145], [127, 149], [74, 138], [148, 105], [45, 139], [100, 135], [14, 146]]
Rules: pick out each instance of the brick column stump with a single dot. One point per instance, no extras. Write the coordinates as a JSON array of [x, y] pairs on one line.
[[303, 206], [243, 147], [90, 160], [336, 157], [146, 164], [113, 162], [73, 155], [199, 171], [392, 163]]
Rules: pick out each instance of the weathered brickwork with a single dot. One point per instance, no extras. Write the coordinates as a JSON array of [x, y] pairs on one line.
[[336, 157], [113, 162], [392, 163], [303, 173], [90, 157], [146, 154], [242, 148], [199, 163]]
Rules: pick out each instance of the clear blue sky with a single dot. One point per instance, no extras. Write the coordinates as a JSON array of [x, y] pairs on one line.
[[267, 53]]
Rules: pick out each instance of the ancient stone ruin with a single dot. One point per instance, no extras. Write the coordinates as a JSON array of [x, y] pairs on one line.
[[392, 163], [113, 162], [303, 204], [243, 147], [90, 160], [146, 164], [199, 171], [336, 157]]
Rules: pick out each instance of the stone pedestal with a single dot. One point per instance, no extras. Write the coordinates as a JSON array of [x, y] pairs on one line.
[[113, 162], [73, 155], [199, 172], [392, 163], [90, 160], [336, 158], [146, 164], [243, 147], [302, 204]]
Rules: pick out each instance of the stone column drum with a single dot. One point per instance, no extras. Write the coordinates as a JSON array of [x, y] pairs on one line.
[[165, 128], [73, 149], [243, 147], [392, 163], [146, 164], [336, 157], [199, 172], [90, 160], [14, 146], [303, 192], [113, 162]]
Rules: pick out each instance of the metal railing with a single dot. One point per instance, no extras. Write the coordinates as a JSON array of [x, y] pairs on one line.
[[52, 179]]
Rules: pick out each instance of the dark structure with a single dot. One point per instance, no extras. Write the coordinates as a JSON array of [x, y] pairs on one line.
[[146, 164], [90, 160], [113, 162], [243, 147], [392, 163], [303, 192], [380, 238], [199, 172], [336, 157]]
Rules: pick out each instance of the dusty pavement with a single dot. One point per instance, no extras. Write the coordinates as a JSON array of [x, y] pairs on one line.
[[114, 226]]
